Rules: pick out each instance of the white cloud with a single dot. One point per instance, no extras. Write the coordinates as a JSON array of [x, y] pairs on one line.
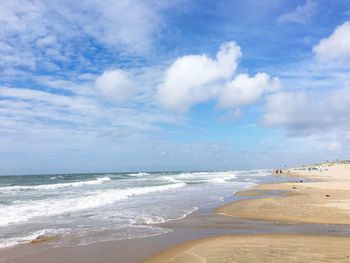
[[115, 85], [335, 146], [22, 23], [46, 41], [246, 90], [336, 47], [40, 34], [316, 98], [29, 116], [284, 109], [128, 24], [197, 78], [190, 79], [35, 95], [304, 113], [302, 14]]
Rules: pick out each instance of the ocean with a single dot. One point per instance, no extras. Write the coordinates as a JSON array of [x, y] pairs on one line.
[[79, 209]]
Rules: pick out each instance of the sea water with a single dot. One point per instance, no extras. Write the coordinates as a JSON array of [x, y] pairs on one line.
[[79, 209]]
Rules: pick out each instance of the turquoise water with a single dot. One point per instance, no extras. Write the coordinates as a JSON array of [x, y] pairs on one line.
[[78, 209]]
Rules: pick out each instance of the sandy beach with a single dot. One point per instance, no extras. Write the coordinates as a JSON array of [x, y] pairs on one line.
[[303, 216], [325, 201], [184, 131], [260, 248], [319, 196]]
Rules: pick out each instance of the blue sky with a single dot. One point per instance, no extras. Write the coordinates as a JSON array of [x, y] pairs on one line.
[[135, 85]]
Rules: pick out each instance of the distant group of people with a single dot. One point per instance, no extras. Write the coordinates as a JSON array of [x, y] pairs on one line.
[[277, 171]]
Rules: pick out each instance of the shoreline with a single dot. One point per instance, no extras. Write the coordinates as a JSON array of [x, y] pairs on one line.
[[204, 226], [324, 199], [201, 223]]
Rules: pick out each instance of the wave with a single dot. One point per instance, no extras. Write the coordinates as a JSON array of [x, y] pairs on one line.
[[207, 177], [25, 211], [54, 186], [55, 177], [138, 174], [155, 220], [34, 237], [257, 173], [170, 179], [217, 180]]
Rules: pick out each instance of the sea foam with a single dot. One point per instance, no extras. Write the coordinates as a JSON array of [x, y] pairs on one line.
[[32, 237], [27, 210], [54, 186]]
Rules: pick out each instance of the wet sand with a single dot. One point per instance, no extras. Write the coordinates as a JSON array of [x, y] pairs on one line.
[[195, 227], [325, 202]]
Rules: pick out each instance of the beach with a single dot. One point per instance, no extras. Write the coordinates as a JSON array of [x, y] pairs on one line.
[[109, 217], [179, 131], [324, 201], [319, 197], [260, 248], [301, 216]]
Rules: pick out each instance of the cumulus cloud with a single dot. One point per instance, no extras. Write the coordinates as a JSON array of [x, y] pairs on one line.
[[302, 14], [304, 113], [336, 47], [115, 85], [244, 90], [318, 99], [197, 78], [191, 79]]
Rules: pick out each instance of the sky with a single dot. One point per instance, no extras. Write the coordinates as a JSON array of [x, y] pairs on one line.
[[146, 85]]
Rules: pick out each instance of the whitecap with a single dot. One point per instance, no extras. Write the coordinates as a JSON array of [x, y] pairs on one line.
[[138, 174], [54, 186], [25, 211], [32, 237]]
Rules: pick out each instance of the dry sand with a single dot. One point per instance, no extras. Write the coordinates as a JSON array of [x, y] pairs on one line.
[[259, 248], [326, 200]]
